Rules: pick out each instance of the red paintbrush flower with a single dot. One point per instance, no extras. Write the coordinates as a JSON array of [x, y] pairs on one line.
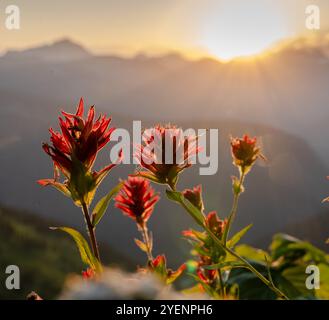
[[80, 138], [245, 152], [165, 152], [74, 151], [137, 199]]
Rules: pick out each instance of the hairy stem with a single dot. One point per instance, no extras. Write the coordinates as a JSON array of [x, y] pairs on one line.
[[147, 242], [91, 231]]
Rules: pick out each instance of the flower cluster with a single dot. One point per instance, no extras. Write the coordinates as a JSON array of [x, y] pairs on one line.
[[74, 151]]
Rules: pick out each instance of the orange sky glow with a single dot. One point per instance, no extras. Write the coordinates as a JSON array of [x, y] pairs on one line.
[[223, 29]]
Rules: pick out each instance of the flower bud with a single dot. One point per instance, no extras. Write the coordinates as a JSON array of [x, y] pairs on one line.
[[244, 152], [195, 197]]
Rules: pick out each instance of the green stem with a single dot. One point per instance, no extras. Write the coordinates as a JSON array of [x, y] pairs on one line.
[[91, 231], [234, 209], [147, 242], [222, 287]]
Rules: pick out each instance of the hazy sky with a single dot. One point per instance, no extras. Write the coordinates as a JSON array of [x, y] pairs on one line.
[[221, 28]]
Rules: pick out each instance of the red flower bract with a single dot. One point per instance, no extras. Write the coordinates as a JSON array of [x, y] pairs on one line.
[[88, 274], [137, 199], [74, 151], [215, 224], [165, 152]]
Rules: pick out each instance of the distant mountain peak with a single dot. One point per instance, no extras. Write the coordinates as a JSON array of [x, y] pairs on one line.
[[66, 42], [61, 50]]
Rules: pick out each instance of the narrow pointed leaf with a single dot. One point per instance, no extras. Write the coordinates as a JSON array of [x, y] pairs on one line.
[[174, 275], [86, 255], [208, 289], [141, 245], [148, 176], [62, 188], [237, 237], [103, 204]]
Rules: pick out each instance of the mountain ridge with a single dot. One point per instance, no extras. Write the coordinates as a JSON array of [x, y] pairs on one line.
[[310, 44]]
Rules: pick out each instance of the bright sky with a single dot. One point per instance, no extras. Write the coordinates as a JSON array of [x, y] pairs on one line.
[[220, 28]]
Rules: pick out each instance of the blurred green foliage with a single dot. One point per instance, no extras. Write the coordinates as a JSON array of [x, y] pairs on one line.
[[287, 261], [45, 257]]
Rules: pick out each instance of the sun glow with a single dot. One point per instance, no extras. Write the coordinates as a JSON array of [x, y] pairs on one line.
[[243, 28]]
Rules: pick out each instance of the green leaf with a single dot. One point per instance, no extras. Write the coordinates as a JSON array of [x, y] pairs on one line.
[[86, 255], [191, 209], [141, 245], [237, 237], [174, 195], [251, 253], [103, 204], [293, 249], [296, 277], [173, 275], [62, 188], [323, 292], [250, 287], [149, 176]]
